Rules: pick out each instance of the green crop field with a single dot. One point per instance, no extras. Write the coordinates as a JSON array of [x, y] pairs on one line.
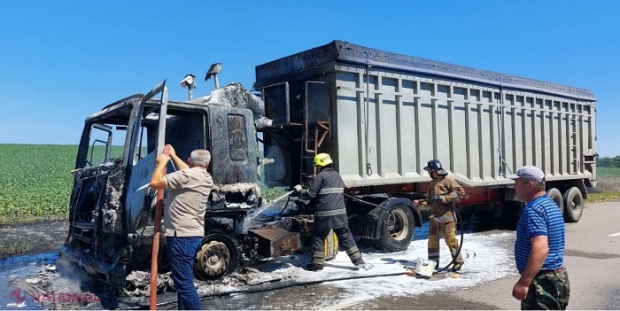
[[35, 181], [608, 172], [608, 185]]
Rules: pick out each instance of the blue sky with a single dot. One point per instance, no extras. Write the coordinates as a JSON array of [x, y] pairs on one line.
[[63, 60]]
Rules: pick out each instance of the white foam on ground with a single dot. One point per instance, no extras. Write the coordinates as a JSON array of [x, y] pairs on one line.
[[16, 305], [486, 258]]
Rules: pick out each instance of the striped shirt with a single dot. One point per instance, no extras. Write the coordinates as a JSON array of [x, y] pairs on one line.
[[540, 217]]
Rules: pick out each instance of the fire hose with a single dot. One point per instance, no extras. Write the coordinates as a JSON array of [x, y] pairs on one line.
[[276, 287], [457, 215], [438, 199], [156, 235], [153, 296], [391, 220]]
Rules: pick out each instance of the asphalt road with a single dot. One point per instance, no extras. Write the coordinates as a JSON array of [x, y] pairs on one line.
[[592, 260]]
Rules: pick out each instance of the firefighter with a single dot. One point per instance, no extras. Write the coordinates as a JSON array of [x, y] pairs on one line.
[[441, 195], [327, 192]]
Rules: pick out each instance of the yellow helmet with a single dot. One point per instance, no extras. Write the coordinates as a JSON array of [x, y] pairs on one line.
[[322, 159]]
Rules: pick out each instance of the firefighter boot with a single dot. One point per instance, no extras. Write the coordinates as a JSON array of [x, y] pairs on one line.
[[360, 264], [313, 267]]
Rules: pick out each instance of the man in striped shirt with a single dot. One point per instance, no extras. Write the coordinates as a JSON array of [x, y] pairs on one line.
[[539, 248]]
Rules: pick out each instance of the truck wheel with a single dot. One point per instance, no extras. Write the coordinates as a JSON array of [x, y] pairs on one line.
[[556, 196], [397, 229], [573, 202], [217, 256]]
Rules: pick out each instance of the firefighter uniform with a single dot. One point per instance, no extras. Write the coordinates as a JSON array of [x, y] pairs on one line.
[[442, 219], [327, 191]]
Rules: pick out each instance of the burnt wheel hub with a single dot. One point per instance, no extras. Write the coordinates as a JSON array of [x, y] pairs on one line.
[[214, 258]]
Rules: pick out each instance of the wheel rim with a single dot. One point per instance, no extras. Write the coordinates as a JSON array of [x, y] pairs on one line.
[[576, 202], [213, 259], [398, 230]]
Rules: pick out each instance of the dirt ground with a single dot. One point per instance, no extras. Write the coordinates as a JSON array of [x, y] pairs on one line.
[[32, 238]]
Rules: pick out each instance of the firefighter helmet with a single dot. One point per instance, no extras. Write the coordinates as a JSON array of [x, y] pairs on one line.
[[435, 166], [322, 159]]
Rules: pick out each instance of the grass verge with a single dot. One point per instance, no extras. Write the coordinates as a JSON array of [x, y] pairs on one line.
[[607, 188], [607, 196], [24, 220], [13, 249]]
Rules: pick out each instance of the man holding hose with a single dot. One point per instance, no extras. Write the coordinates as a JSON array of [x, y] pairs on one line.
[[442, 193], [327, 191], [184, 214]]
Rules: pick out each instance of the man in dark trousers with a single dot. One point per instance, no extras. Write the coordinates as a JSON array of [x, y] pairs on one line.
[[539, 248], [442, 193], [327, 191], [184, 214]]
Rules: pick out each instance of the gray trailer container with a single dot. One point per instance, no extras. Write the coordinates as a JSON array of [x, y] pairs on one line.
[[387, 114]]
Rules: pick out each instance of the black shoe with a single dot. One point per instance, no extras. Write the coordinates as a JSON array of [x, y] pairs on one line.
[[457, 267], [313, 267]]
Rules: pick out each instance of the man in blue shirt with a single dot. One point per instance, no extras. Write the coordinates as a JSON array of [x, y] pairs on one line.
[[539, 248]]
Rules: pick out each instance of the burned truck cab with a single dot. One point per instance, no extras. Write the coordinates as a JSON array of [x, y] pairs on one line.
[[112, 206]]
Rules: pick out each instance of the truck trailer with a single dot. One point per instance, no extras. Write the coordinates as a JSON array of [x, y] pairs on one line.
[[380, 115]]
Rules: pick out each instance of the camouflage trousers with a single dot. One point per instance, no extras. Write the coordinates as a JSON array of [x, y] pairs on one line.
[[548, 292]]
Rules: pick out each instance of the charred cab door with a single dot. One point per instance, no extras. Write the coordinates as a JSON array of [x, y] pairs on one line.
[[140, 156], [232, 145]]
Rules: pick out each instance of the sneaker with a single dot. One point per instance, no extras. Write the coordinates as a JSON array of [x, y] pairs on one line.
[[313, 267], [457, 267]]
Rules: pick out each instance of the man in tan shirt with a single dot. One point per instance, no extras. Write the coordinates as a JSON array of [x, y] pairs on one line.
[[184, 212], [442, 193]]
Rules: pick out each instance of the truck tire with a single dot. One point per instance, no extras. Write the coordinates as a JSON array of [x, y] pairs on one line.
[[555, 195], [396, 233], [217, 256], [573, 203]]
